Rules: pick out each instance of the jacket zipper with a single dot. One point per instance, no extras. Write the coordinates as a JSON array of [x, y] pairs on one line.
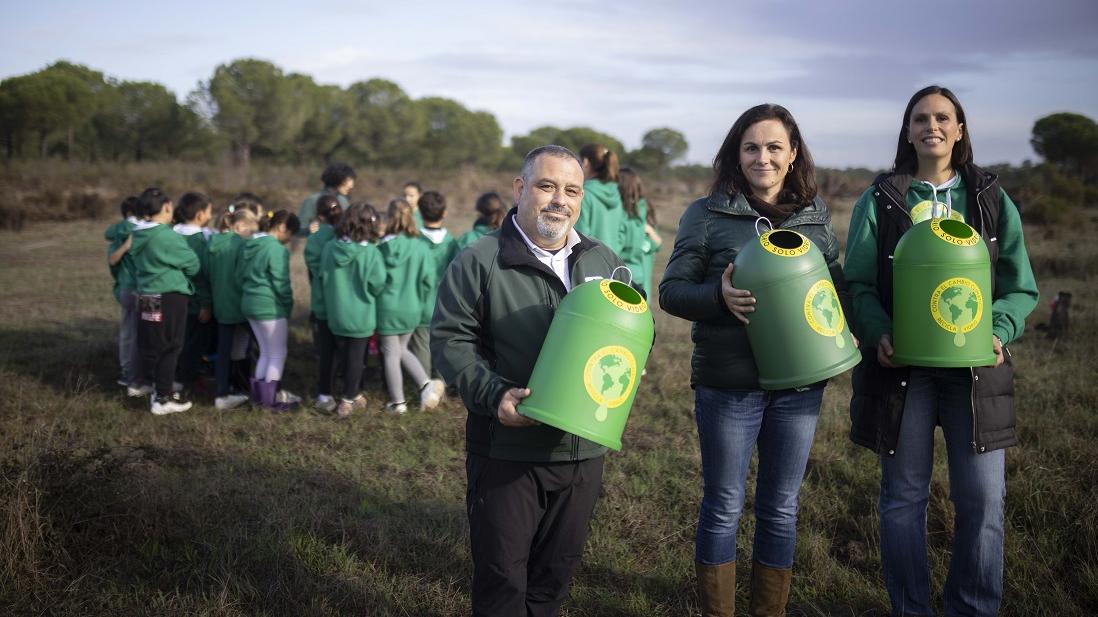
[[975, 427]]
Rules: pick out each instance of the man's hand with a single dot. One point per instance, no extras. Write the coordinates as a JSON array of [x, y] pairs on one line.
[[508, 415], [739, 301], [884, 352]]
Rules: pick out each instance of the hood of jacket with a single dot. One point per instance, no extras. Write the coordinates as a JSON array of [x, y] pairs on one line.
[[344, 251], [143, 234], [603, 193], [396, 250], [222, 242]]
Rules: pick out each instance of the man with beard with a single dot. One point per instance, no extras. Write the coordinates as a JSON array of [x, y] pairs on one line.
[[531, 487]]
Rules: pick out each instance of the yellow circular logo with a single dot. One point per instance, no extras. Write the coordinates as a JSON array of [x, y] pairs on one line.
[[604, 287], [823, 312], [799, 250], [921, 212], [609, 376], [936, 227], [957, 306]]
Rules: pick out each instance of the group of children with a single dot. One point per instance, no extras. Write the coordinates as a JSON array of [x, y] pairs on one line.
[[189, 292]]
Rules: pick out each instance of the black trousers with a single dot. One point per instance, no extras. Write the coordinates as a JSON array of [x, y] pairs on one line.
[[160, 337], [527, 526], [354, 364], [328, 356], [196, 341]]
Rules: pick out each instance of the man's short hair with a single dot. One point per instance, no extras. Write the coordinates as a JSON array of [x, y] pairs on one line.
[[549, 150], [432, 206]]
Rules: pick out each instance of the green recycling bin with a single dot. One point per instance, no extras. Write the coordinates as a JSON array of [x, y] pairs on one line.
[[798, 332], [590, 365], [941, 296]]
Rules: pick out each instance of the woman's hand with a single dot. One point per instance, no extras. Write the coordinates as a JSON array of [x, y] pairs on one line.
[[739, 301], [997, 345], [884, 352]]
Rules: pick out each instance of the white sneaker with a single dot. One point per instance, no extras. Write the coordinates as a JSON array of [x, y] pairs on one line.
[[325, 403], [230, 401], [430, 395], [396, 408], [169, 404], [122, 382], [139, 391], [285, 396]]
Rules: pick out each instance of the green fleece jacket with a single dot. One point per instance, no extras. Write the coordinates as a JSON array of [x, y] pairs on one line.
[[442, 248], [601, 213], [263, 272], [122, 272], [635, 246], [1015, 288], [162, 260], [314, 250], [478, 231], [409, 281], [196, 239], [222, 254], [350, 278]]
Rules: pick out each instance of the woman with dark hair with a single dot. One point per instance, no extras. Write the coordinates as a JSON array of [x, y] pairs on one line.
[[640, 241], [763, 169], [339, 181], [896, 408], [601, 214], [490, 212]]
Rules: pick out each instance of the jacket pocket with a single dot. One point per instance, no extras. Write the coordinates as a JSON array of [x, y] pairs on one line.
[[993, 394]]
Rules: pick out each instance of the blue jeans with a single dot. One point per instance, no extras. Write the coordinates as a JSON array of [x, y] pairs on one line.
[[731, 424], [977, 488]]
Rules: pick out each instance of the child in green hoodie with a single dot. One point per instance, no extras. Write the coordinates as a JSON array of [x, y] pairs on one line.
[[238, 224], [351, 277], [328, 212], [410, 277], [267, 299], [601, 213], [163, 264], [443, 248], [640, 241], [192, 213], [125, 291], [490, 212]]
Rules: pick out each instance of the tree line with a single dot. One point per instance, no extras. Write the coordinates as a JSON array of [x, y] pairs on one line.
[[252, 108]]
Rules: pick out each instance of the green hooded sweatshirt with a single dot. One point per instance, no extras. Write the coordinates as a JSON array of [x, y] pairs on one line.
[[162, 260], [222, 254], [196, 239], [314, 250], [409, 282], [478, 231], [263, 272], [307, 212], [122, 272], [443, 248], [1015, 288], [601, 213], [350, 278], [633, 245]]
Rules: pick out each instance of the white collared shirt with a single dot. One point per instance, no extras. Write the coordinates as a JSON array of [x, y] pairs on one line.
[[557, 262]]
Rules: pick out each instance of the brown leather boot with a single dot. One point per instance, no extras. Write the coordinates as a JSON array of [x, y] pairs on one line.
[[769, 591], [717, 589]]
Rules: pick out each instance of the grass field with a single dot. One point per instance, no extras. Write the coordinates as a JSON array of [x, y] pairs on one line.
[[108, 510]]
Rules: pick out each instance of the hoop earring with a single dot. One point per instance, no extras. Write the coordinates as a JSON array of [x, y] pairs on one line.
[[791, 168]]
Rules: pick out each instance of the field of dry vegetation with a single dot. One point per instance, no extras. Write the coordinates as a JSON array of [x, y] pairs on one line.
[[108, 510]]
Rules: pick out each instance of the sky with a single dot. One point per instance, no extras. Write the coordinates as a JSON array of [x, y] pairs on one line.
[[844, 69]]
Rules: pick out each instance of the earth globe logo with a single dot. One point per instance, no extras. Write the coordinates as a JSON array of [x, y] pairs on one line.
[[823, 312], [609, 376], [957, 306]]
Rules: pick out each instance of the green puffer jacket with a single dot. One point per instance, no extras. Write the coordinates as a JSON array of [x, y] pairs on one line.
[[711, 233], [494, 308]]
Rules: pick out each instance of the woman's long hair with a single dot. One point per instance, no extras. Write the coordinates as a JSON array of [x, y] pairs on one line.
[[603, 161], [799, 186], [631, 189], [400, 219], [360, 223], [907, 161]]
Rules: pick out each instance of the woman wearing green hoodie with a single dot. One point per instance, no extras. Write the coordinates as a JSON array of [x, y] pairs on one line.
[[350, 277], [410, 279], [601, 213], [896, 408], [266, 299]]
